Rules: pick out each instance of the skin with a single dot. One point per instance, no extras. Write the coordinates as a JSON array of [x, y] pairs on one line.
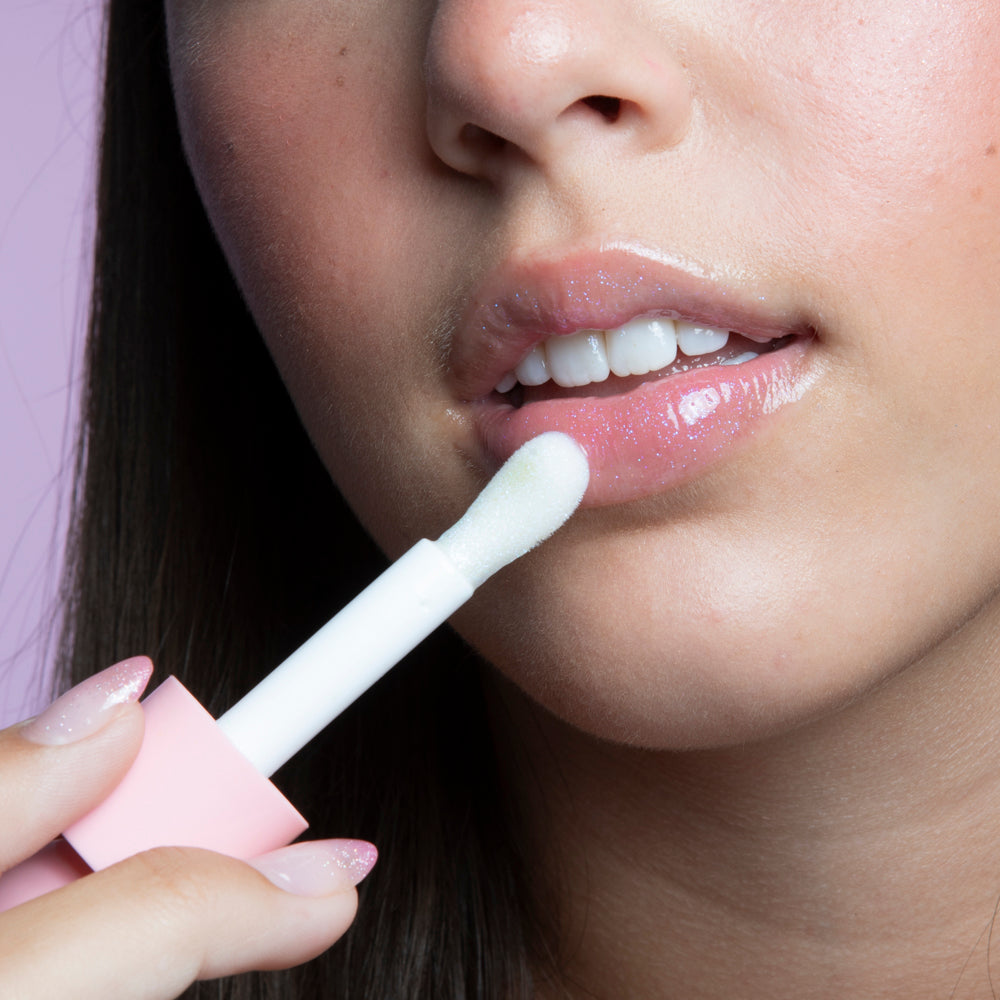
[[826, 653], [780, 779], [850, 181]]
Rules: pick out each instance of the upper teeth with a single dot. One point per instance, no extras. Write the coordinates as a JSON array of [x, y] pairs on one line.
[[642, 345]]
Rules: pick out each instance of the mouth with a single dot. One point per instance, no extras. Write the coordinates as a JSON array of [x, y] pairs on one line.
[[657, 373]]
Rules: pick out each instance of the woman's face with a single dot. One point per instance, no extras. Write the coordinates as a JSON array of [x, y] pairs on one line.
[[415, 196]]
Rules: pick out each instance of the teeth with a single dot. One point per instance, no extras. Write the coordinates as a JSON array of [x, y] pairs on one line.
[[534, 369], [579, 359], [696, 340], [740, 358], [507, 383], [643, 345]]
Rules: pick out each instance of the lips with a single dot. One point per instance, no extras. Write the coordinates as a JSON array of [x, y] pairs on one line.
[[645, 432]]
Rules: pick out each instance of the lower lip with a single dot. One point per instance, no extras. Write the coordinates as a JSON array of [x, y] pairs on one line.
[[661, 434]]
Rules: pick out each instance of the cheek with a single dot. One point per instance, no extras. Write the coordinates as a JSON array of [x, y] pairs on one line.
[[280, 143], [893, 194], [296, 157], [901, 111]]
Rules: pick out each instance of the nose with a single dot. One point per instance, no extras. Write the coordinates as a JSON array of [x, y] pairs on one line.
[[514, 78]]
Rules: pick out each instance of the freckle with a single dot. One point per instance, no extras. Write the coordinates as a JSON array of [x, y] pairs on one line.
[[991, 150], [339, 82]]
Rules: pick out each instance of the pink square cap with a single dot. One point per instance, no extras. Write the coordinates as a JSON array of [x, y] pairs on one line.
[[189, 787]]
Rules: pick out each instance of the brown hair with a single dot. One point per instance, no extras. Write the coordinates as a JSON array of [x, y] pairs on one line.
[[206, 533]]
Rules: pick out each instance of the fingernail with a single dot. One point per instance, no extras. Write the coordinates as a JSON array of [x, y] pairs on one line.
[[318, 867], [91, 705]]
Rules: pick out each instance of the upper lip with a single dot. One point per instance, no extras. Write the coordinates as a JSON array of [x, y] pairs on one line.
[[531, 298]]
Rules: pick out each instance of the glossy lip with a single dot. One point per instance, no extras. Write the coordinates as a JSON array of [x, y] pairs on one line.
[[658, 434]]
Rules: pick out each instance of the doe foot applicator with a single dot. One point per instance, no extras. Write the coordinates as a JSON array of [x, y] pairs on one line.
[[198, 782]]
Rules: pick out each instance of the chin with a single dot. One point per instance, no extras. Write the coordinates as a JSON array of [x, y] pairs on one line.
[[673, 705], [679, 681]]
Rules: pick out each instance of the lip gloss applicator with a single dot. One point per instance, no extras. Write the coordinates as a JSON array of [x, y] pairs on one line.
[[198, 782]]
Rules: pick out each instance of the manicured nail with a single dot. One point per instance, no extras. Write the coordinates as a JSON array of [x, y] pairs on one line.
[[91, 705], [318, 867]]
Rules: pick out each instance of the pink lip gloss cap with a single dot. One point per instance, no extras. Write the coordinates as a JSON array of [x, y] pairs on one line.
[[189, 787], [51, 868]]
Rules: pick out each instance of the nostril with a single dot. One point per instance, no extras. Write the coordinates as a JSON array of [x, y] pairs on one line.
[[608, 108]]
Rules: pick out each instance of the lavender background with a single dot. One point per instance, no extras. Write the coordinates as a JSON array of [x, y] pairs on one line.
[[49, 55]]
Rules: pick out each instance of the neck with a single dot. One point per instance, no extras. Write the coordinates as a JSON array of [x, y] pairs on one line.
[[856, 856]]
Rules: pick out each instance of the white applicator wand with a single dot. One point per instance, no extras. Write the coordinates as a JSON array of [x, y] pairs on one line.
[[202, 783], [534, 493]]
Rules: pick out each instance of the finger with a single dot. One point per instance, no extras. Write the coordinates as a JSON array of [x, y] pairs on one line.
[[147, 928], [58, 766]]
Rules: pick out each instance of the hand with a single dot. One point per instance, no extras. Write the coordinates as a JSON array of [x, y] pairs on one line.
[[148, 927]]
